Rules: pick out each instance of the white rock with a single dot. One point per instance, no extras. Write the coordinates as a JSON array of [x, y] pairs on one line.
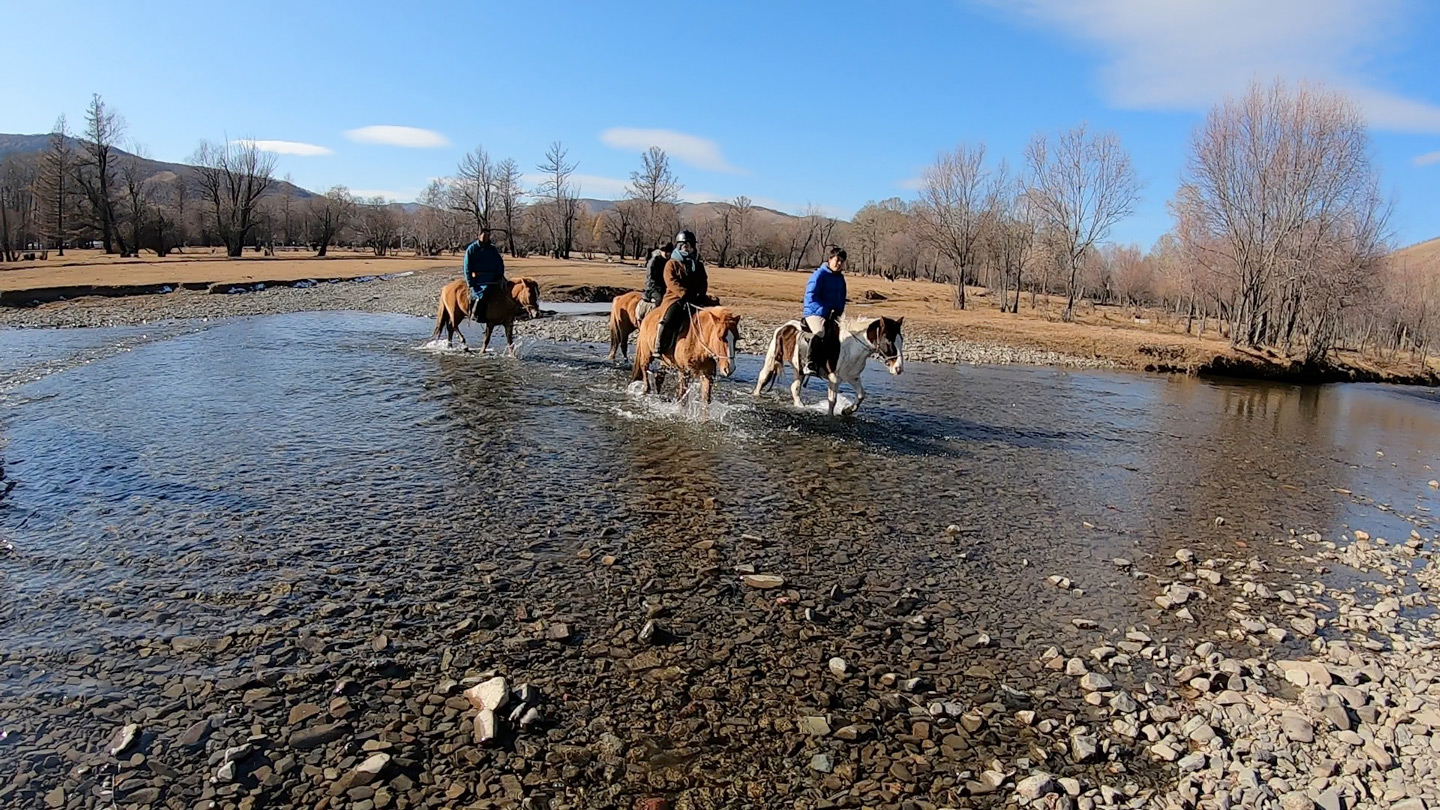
[[814, 726], [838, 667], [1036, 785], [487, 727], [492, 694], [125, 739]]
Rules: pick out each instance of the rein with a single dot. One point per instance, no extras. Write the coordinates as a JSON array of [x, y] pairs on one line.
[[704, 345]]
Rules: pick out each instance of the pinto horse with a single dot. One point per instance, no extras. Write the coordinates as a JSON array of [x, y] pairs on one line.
[[706, 347], [502, 307], [623, 323], [860, 339]]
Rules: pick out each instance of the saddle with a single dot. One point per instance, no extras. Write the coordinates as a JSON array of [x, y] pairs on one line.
[[676, 320], [823, 355]]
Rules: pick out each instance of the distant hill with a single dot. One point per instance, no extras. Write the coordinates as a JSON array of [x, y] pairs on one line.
[[698, 212], [1425, 253], [33, 146]]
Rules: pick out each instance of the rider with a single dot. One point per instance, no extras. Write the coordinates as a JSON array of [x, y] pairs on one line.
[[484, 269], [654, 281], [686, 285], [825, 303]]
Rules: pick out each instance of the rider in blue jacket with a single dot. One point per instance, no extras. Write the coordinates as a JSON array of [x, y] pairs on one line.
[[824, 304], [484, 269]]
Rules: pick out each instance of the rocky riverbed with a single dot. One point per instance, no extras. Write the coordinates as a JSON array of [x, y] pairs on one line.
[[416, 294], [1244, 688]]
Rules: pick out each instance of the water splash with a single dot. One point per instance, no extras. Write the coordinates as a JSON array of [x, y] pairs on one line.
[[687, 409]]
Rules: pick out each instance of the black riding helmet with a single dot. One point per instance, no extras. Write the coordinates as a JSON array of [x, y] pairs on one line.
[[685, 237]]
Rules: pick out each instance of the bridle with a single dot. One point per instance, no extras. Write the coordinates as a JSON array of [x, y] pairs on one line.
[[710, 353], [876, 349]]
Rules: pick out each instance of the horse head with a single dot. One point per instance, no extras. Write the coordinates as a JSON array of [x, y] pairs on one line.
[[526, 293], [719, 330], [887, 342]]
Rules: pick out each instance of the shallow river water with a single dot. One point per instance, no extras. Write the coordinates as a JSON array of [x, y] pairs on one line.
[[193, 501]]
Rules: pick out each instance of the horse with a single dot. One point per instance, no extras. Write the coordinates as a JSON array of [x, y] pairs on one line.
[[623, 323], [860, 338], [706, 347], [501, 309]]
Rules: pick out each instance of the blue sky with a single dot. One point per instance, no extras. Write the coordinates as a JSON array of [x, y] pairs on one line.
[[793, 103]]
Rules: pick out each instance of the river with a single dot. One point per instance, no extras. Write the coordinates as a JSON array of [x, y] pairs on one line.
[[243, 485]]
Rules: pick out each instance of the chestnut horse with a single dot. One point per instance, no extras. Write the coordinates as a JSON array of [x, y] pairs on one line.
[[623, 323], [707, 346], [520, 295]]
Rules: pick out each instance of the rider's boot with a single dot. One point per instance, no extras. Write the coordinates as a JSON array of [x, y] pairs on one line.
[[816, 355]]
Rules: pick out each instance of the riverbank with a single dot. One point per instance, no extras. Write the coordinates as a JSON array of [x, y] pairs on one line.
[[91, 291]]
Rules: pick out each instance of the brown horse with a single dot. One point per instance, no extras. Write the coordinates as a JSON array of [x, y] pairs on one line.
[[707, 347], [623, 323], [520, 295]]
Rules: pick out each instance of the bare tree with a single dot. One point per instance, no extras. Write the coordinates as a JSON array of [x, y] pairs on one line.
[[475, 187], [329, 213], [657, 191], [134, 197], [1079, 190], [958, 197], [18, 207], [378, 224], [56, 189], [620, 223], [510, 192], [95, 172], [1014, 235], [560, 202], [1281, 199], [743, 217], [233, 177]]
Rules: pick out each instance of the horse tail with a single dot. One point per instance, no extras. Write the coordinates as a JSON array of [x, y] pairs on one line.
[[617, 340], [442, 312], [770, 366]]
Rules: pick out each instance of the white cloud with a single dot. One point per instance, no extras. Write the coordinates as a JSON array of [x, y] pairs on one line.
[[1427, 159], [1187, 54], [686, 195], [408, 137], [701, 153], [388, 194], [912, 183], [286, 147]]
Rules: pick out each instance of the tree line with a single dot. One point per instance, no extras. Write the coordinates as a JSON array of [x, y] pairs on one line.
[[1280, 237]]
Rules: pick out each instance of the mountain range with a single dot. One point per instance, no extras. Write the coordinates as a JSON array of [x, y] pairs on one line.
[[163, 171]]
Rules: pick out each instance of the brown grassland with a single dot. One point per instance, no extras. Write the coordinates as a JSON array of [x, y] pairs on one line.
[[1143, 340]]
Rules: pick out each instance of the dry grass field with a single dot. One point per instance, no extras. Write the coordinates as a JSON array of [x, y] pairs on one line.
[[1109, 333]]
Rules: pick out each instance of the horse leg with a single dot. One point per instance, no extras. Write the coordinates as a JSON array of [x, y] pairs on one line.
[[706, 386], [485, 347], [859, 397], [832, 393], [796, 387], [510, 338]]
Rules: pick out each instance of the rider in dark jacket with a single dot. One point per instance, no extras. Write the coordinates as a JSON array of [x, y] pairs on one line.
[[484, 269], [654, 280]]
